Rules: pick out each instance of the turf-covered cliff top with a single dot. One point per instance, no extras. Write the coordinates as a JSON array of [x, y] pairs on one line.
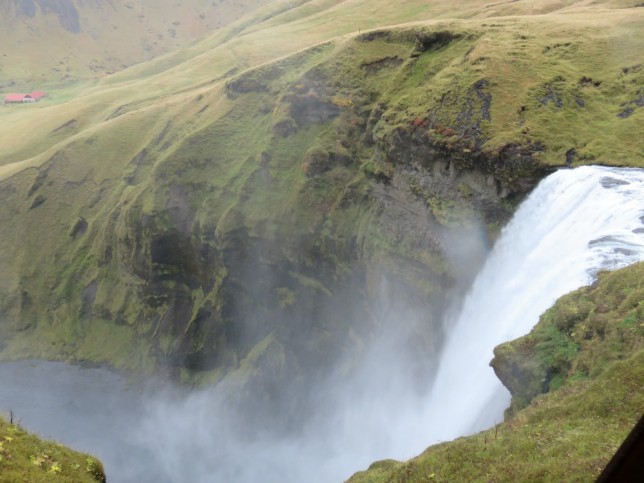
[[578, 377], [560, 75], [25, 457]]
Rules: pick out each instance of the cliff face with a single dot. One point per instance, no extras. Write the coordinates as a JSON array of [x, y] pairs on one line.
[[200, 219], [242, 208], [277, 225]]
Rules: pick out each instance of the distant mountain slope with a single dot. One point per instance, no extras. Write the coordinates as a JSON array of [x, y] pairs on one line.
[[49, 41]]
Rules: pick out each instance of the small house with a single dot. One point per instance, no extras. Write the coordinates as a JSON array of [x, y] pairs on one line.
[[35, 96], [14, 98]]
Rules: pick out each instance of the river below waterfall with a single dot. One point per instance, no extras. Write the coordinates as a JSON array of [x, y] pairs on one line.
[[575, 223]]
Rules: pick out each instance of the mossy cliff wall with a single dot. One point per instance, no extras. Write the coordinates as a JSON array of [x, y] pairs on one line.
[[328, 184]]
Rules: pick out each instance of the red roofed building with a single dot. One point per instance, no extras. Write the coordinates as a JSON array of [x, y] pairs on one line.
[[23, 98], [14, 98]]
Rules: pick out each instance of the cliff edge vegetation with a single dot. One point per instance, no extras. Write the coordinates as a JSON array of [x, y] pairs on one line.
[[25, 457], [246, 205], [576, 382]]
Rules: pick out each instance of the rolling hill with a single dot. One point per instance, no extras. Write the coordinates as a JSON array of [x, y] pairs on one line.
[[47, 42]]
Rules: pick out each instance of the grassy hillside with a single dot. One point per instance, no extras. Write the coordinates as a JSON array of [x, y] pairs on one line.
[[589, 350], [539, 81], [45, 43], [145, 199], [25, 457]]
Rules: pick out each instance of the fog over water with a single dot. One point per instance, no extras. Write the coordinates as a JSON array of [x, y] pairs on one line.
[[575, 223]]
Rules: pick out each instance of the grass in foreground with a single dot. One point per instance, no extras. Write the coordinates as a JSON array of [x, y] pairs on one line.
[[27, 458]]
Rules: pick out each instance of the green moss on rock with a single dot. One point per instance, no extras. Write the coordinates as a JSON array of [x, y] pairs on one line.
[[577, 338], [344, 161]]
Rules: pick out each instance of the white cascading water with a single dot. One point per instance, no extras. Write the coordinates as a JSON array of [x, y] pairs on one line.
[[575, 223]]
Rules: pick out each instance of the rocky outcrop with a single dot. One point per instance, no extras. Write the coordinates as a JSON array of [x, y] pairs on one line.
[[576, 339], [576, 393]]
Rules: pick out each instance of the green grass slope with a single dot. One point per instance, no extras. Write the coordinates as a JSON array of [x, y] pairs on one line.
[[586, 355], [544, 69], [25, 457]]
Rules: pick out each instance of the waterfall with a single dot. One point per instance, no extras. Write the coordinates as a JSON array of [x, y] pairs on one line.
[[574, 224]]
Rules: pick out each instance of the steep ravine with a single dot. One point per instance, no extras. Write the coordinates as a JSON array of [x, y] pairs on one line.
[[221, 247], [268, 239], [389, 406]]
